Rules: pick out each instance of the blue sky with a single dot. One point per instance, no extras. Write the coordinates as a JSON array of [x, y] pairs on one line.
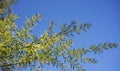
[[104, 15]]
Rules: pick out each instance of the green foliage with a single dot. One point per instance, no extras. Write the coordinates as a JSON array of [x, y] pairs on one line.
[[18, 47], [5, 7]]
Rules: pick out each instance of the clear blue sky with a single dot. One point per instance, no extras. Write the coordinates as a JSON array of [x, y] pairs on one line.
[[104, 15]]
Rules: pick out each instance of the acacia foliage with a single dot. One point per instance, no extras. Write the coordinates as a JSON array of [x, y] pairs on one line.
[[19, 47], [5, 7]]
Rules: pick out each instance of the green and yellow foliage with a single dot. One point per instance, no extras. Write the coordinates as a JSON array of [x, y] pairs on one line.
[[18, 47]]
